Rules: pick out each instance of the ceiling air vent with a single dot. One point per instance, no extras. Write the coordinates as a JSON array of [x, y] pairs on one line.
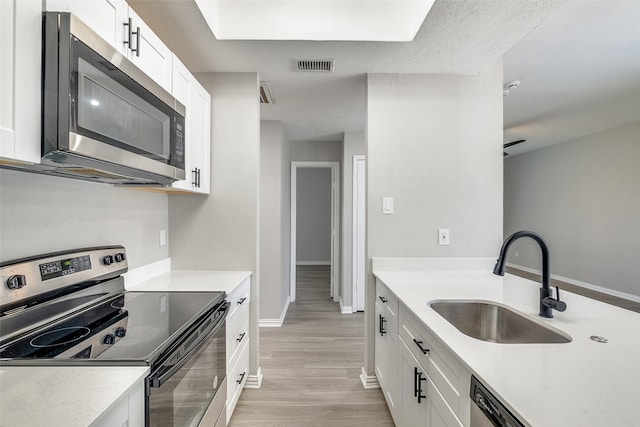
[[315, 65], [265, 94]]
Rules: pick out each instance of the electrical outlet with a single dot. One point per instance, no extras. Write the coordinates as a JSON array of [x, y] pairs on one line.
[[163, 237], [443, 236]]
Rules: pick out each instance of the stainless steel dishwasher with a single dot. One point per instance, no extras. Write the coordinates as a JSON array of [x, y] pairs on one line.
[[487, 410]]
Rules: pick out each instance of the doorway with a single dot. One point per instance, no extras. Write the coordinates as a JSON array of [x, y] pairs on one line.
[[334, 231]]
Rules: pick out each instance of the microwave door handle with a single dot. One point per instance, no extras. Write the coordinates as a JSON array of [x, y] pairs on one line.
[[156, 381]]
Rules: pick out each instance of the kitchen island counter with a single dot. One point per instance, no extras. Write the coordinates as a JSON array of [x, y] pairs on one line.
[[581, 383], [71, 396]]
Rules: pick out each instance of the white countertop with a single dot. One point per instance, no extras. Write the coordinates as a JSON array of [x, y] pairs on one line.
[[581, 383], [192, 281], [62, 396]]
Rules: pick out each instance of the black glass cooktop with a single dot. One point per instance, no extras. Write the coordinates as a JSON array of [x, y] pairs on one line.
[[151, 322]]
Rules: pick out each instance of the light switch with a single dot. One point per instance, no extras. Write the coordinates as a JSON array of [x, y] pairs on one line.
[[387, 205]]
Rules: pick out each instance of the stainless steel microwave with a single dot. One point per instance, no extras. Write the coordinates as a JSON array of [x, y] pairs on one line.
[[103, 119]]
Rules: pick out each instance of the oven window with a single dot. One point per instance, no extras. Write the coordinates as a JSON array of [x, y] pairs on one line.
[[184, 398]]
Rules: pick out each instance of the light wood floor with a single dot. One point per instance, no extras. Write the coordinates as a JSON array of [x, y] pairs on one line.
[[311, 366]]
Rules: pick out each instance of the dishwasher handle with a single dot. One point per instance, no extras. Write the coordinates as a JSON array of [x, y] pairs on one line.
[[494, 411]]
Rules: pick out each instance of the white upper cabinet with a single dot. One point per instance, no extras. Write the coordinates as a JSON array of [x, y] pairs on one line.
[[120, 26], [147, 51], [20, 67], [197, 102], [105, 17]]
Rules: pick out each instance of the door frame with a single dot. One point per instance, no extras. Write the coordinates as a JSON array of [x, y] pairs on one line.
[[335, 225], [358, 217]]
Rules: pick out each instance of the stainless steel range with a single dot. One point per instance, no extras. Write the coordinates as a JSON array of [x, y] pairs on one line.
[[70, 308]]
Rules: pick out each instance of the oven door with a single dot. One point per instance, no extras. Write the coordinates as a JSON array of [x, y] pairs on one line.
[[189, 385]]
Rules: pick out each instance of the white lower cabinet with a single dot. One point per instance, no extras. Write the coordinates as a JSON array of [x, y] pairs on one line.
[[237, 344], [421, 404], [127, 411], [423, 382]]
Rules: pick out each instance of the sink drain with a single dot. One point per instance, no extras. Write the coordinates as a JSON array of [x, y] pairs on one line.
[[599, 339]]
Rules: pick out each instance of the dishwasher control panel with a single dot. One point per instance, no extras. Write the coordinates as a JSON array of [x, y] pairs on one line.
[[487, 410]]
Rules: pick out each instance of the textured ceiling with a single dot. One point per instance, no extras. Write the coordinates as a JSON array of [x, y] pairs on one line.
[[461, 37]]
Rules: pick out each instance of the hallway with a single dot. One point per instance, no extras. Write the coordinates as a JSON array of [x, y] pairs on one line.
[[311, 366]]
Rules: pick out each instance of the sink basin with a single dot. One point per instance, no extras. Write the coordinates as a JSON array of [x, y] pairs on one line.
[[493, 322]]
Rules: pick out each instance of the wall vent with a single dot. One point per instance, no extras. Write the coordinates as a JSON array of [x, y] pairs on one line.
[[265, 94], [315, 65]]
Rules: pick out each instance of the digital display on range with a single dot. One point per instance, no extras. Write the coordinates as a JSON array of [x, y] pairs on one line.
[[64, 267]]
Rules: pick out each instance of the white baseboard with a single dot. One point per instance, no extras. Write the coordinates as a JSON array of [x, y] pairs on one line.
[[141, 274], [345, 309], [254, 381], [369, 381], [585, 285], [276, 323], [313, 262]]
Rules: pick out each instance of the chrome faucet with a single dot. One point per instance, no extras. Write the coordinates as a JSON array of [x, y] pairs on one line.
[[547, 302]]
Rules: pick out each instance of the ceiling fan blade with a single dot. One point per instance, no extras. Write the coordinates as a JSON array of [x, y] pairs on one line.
[[512, 143]]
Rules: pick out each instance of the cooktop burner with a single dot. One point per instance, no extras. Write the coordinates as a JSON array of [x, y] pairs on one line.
[[60, 336]]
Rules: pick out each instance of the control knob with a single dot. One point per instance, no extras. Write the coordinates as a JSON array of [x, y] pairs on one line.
[[120, 332], [120, 256], [109, 339], [108, 260], [17, 281]]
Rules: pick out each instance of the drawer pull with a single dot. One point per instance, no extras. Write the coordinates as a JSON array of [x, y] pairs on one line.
[[422, 349], [381, 328], [241, 337], [383, 299], [241, 300], [241, 377]]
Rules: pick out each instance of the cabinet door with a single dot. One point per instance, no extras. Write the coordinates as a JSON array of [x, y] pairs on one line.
[[412, 383], [148, 52], [181, 84], [200, 141], [20, 73], [105, 17]]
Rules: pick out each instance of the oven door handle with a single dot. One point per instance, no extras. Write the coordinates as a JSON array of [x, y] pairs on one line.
[[156, 380]]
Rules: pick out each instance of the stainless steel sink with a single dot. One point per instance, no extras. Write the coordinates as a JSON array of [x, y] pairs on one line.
[[493, 322]]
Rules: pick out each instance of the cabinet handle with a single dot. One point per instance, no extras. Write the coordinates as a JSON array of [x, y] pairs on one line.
[[422, 349], [383, 299], [137, 33], [198, 177], [415, 382], [241, 300], [194, 177], [381, 329], [129, 32], [241, 337], [420, 378], [241, 377]]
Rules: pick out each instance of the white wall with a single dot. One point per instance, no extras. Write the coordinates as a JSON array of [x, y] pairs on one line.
[[313, 216], [353, 144], [40, 214], [583, 197], [275, 214], [435, 145], [221, 231]]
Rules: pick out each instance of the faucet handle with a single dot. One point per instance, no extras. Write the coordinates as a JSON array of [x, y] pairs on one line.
[[555, 303]]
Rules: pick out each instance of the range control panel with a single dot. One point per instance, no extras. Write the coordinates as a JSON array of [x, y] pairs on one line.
[[25, 279]]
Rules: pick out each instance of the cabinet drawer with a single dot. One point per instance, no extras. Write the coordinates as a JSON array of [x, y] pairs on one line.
[[236, 379], [239, 297], [387, 300], [439, 363], [237, 332]]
